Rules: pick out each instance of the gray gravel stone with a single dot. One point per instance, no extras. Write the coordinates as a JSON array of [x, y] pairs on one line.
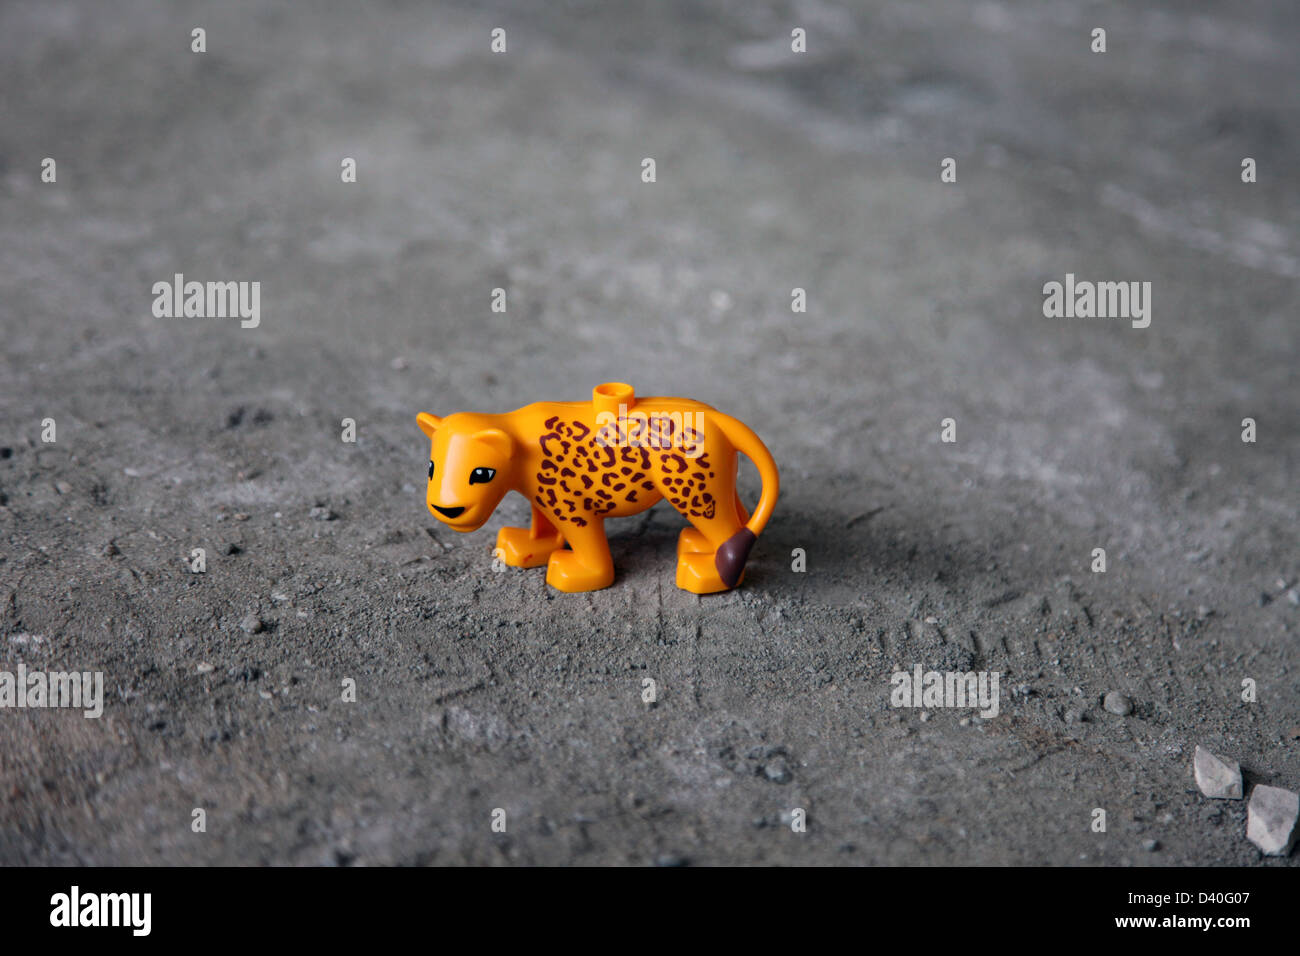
[[1117, 703], [1217, 778], [777, 770], [1271, 819]]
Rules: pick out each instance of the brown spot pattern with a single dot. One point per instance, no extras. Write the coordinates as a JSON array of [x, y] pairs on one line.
[[590, 474]]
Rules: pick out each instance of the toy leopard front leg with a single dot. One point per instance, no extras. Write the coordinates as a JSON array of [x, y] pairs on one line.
[[530, 547], [589, 566]]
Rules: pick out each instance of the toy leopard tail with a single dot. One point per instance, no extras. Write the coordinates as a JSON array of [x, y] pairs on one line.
[[734, 552]]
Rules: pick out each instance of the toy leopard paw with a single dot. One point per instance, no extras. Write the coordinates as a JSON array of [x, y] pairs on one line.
[[697, 572], [520, 549], [566, 571]]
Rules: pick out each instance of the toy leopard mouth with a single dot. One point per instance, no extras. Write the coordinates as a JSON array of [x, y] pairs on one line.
[[449, 512]]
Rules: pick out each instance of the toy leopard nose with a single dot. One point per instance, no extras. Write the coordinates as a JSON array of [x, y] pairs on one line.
[[449, 512]]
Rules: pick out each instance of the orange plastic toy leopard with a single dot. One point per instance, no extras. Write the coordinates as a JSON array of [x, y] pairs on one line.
[[579, 463]]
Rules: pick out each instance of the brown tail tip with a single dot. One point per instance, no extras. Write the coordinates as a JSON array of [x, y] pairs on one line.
[[733, 554]]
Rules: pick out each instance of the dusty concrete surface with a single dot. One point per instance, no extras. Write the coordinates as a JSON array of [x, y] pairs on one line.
[[479, 690]]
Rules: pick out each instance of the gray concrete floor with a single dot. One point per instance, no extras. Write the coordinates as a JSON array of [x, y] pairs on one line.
[[480, 690]]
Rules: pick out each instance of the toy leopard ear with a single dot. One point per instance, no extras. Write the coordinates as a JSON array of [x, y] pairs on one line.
[[497, 439], [428, 423]]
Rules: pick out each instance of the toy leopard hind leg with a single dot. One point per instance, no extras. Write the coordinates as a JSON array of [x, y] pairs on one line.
[[579, 463], [711, 554]]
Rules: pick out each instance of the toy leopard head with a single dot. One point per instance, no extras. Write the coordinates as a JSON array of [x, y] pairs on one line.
[[470, 468]]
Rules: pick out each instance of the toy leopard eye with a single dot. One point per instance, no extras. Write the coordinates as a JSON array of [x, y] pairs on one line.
[[481, 475], [430, 469]]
